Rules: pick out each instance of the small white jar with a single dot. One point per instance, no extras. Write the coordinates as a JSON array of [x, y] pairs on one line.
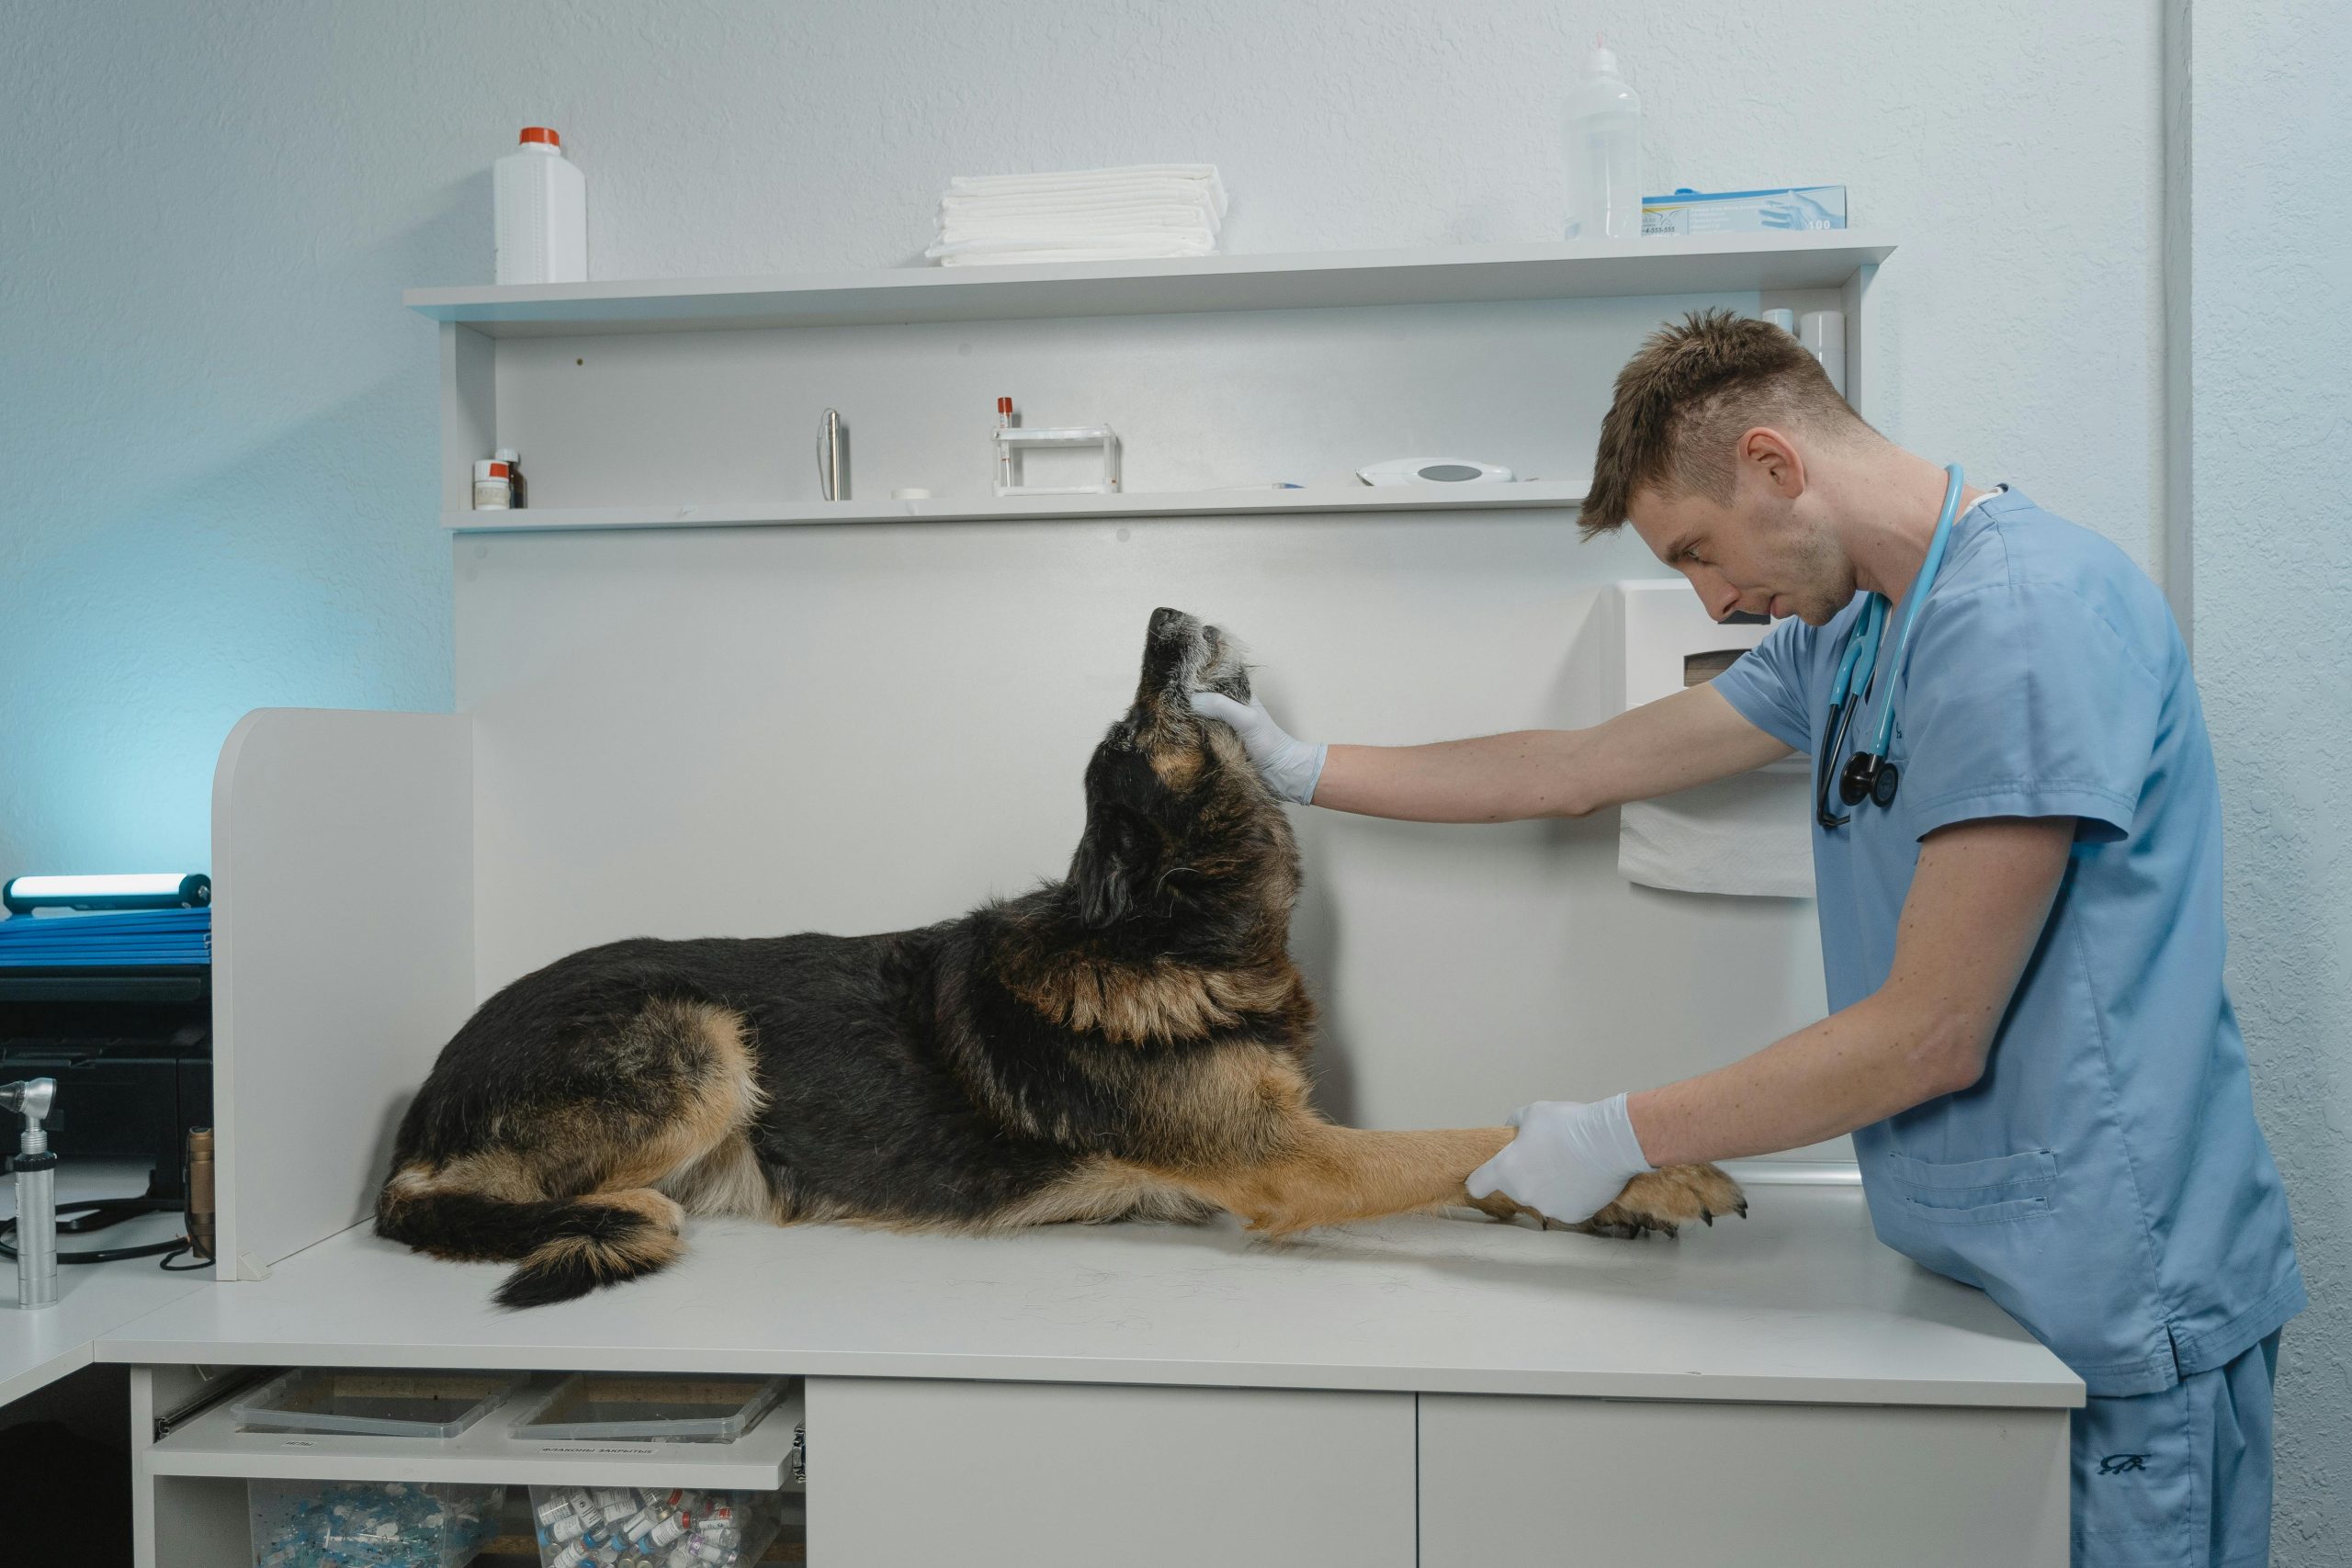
[[493, 491]]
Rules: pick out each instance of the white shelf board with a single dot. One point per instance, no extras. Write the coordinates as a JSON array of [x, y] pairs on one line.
[[1715, 264], [1799, 1302], [1559, 493], [489, 1452], [40, 1344]]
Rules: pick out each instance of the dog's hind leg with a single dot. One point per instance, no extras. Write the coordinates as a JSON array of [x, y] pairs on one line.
[[692, 1090], [466, 1210], [730, 1179], [574, 1190]]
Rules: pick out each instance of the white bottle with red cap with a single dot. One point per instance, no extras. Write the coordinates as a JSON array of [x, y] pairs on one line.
[[542, 212], [493, 486]]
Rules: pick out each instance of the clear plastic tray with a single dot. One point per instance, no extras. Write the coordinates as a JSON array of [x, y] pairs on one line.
[[638, 1408], [372, 1404]]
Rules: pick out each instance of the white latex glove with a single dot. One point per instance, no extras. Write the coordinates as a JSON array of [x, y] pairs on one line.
[[1568, 1161], [1289, 767]]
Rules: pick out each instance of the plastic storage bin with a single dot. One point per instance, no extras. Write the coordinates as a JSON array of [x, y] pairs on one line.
[[372, 1404], [632, 1527], [633, 1407], [369, 1524]]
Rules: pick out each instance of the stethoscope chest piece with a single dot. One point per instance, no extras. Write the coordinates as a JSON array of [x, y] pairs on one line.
[[1867, 776]]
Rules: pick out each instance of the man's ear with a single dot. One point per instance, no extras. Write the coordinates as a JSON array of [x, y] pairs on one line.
[[1775, 456], [1103, 872]]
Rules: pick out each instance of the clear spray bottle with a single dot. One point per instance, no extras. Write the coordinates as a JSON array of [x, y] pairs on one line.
[[1601, 135]]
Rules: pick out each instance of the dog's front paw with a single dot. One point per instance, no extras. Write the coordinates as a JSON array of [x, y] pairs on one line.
[[1666, 1200]]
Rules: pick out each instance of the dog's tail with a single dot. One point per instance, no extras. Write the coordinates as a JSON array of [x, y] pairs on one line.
[[566, 1246]]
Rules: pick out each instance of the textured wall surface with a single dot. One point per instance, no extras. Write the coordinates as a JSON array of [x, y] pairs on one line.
[[2269, 128], [218, 426]]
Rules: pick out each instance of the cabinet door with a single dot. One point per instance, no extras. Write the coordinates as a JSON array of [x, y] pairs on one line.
[[1630, 1484], [920, 1472]]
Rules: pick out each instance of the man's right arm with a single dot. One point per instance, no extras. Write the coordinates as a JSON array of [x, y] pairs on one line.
[[1687, 739]]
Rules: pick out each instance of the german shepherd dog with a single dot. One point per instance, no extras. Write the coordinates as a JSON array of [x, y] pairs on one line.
[[1129, 1042]]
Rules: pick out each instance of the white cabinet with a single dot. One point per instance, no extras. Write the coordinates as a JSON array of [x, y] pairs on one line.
[[1689, 1484], [1072, 1476]]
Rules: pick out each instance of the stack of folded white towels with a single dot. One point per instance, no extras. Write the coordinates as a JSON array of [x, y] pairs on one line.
[[1144, 211]]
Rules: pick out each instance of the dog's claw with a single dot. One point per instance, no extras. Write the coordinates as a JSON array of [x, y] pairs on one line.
[[1742, 1208]]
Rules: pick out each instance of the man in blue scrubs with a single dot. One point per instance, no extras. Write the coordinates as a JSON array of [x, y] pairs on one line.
[[2031, 1043]]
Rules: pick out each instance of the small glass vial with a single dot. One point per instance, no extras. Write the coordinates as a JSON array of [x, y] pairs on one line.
[[518, 488], [493, 491]]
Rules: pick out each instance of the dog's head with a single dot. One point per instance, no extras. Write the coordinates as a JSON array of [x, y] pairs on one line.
[[1180, 830]]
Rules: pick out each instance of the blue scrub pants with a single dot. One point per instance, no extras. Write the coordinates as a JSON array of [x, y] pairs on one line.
[[2179, 1479]]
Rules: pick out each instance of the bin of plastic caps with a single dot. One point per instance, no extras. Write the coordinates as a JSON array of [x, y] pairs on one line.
[[665, 1527], [369, 1524]]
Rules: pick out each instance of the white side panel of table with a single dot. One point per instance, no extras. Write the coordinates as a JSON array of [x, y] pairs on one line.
[[342, 957]]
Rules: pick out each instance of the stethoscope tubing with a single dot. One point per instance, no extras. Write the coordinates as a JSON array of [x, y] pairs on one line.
[[1862, 657]]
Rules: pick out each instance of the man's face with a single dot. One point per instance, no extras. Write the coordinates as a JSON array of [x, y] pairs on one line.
[[1764, 554]]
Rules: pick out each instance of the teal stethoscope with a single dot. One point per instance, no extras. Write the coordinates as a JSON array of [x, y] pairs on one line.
[[1869, 776]]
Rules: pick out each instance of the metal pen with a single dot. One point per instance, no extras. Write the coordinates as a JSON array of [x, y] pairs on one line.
[[828, 458]]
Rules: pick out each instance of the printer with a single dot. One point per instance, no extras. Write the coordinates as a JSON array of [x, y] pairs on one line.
[[109, 992]]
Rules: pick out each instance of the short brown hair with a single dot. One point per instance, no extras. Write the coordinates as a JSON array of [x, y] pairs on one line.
[[1691, 391]]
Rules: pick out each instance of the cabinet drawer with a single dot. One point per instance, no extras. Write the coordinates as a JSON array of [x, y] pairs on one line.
[[1680, 1485], [1073, 1476]]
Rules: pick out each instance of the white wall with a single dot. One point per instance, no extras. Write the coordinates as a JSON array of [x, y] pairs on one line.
[[219, 429], [2268, 132], [218, 425]]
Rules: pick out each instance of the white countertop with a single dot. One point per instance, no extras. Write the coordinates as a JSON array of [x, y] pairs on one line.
[[40, 1346], [1799, 1302]]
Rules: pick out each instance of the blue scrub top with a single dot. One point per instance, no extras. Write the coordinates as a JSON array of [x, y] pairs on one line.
[[2105, 1180]]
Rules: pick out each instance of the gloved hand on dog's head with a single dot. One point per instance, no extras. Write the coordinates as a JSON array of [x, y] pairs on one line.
[[1569, 1161], [1289, 767]]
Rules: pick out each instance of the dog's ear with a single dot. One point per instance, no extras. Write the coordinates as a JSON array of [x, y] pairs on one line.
[[1103, 872]]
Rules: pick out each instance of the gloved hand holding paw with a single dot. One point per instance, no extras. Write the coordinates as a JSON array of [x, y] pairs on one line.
[[1569, 1160]]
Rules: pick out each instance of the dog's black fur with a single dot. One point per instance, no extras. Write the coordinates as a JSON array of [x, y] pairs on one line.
[[1128, 1042]]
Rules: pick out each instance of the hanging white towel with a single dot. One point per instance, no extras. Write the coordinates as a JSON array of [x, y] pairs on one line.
[[1746, 834]]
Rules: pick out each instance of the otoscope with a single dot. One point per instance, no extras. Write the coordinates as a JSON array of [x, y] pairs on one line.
[[36, 1193]]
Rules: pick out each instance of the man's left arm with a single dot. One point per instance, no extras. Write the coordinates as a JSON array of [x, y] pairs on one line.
[[1979, 897]]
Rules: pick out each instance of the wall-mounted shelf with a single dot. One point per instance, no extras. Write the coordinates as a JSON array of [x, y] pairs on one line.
[[1433, 274], [1561, 493]]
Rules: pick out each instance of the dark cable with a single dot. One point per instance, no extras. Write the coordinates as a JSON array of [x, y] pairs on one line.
[[123, 1208]]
